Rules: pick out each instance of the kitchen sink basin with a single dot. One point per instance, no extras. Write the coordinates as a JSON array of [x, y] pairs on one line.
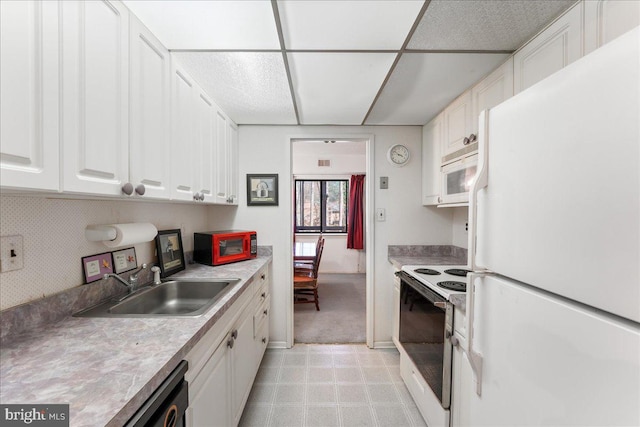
[[171, 298]]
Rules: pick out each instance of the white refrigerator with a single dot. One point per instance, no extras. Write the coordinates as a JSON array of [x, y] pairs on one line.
[[553, 305]]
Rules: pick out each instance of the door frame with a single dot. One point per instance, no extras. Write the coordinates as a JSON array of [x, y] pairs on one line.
[[368, 139]]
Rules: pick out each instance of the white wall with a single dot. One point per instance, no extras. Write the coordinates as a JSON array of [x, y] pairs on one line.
[[460, 233], [266, 149], [336, 258], [54, 242]]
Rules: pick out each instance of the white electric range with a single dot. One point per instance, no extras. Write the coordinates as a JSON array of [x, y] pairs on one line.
[[445, 280]]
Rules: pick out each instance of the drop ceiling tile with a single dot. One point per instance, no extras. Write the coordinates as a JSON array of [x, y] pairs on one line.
[[252, 88], [358, 24], [337, 88], [484, 24], [423, 84], [209, 24]]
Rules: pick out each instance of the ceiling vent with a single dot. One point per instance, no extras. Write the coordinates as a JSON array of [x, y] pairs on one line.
[[324, 163]]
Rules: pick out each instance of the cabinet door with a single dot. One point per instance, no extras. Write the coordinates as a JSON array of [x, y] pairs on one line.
[[431, 161], [461, 388], [95, 94], [206, 146], [232, 171], [149, 127], [457, 122], [604, 20], [244, 367], [395, 333], [183, 134], [553, 49], [29, 95], [209, 397], [221, 162], [492, 90]]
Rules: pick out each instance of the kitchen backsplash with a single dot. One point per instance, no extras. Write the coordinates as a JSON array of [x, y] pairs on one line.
[[54, 242]]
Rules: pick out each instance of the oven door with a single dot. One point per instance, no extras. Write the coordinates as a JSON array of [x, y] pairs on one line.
[[426, 322]]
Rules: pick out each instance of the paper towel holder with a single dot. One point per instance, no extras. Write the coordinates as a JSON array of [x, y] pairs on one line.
[[111, 235], [98, 233]]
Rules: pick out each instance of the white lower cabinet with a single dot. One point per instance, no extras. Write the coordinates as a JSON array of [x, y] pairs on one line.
[[395, 332], [462, 374], [224, 363]]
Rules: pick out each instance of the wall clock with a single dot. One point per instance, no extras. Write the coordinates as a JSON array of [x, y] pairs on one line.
[[398, 155]]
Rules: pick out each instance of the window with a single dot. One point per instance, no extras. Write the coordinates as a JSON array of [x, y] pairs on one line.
[[321, 206]]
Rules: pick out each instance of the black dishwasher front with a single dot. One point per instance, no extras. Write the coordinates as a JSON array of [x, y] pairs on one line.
[[167, 405]]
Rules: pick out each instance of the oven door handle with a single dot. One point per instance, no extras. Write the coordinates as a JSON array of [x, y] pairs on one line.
[[440, 304], [423, 290]]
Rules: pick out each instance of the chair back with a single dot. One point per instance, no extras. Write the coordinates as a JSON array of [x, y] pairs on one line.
[[316, 262]]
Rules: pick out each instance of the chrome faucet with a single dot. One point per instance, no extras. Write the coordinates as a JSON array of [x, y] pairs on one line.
[[133, 278]]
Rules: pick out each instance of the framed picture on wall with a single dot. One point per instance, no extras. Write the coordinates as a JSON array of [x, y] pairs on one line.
[[96, 266], [262, 189], [170, 252]]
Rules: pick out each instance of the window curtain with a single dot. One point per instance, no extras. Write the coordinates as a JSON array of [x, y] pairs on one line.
[[355, 221]]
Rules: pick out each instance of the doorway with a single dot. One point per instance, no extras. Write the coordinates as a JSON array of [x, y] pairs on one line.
[[345, 276]]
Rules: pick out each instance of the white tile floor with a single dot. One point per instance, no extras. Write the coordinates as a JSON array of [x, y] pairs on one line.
[[330, 385]]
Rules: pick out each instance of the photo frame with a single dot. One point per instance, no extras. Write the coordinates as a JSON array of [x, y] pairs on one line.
[[124, 260], [96, 266], [262, 189], [170, 252]]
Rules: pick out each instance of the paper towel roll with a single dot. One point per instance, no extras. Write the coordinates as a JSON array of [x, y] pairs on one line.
[[129, 234]]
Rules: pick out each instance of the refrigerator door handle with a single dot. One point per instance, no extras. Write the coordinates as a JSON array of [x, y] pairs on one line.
[[480, 182], [475, 358]]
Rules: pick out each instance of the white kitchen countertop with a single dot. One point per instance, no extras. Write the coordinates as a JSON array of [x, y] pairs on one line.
[[106, 368]]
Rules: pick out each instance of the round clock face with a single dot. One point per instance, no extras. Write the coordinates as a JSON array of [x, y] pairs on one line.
[[398, 155]]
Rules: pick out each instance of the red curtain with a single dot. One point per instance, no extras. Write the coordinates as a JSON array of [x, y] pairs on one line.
[[355, 221]]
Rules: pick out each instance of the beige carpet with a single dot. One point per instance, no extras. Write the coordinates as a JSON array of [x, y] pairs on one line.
[[341, 318]]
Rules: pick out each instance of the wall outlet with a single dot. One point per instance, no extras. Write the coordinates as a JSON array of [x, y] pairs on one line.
[[381, 215], [11, 256]]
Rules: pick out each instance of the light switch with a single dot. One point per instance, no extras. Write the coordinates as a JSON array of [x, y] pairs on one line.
[[384, 182], [381, 215], [11, 257]]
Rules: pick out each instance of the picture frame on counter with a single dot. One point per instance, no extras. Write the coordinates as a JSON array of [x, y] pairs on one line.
[[170, 252], [96, 266], [262, 189], [124, 260]]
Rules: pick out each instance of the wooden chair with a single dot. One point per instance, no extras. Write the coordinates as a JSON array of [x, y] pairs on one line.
[[308, 264], [305, 281]]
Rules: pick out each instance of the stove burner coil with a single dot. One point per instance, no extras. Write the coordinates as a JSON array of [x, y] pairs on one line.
[[453, 286], [458, 272], [428, 271]]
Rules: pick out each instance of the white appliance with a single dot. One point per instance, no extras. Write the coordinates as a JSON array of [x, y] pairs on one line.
[[432, 275], [553, 305]]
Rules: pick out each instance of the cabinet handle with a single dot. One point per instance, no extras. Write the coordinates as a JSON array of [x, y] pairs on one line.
[[201, 197], [127, 189], [263, 295], [140, 189], [234, 334], [472, 138], [466, 141], [263, 276], [266, 312], [230, 342], [264, 340], [439, 199]]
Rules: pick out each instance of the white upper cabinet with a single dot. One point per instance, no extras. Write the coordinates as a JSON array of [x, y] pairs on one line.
[[95, 95], [206, 145], [233, 163], [431, 160], [183, 133], [29, 95], [457, 124], [221, 172], [556, 47], [149, 124], [607, 19], [492, 90]]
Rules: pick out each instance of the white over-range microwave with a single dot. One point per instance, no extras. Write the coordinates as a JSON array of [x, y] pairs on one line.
[[457, 178]]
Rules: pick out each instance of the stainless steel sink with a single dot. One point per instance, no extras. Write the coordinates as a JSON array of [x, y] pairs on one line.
[[171, 298]]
